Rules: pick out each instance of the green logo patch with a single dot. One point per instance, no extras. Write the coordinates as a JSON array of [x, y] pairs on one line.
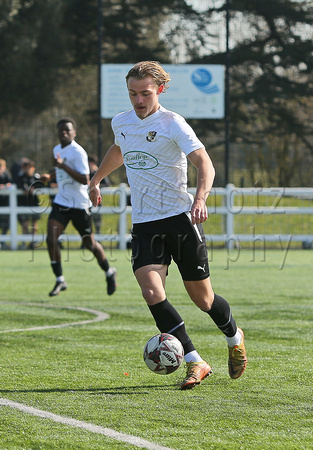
[[140, 160]]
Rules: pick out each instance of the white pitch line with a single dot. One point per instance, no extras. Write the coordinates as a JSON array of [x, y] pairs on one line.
[[127, 438], [123, 437], [100, 316]]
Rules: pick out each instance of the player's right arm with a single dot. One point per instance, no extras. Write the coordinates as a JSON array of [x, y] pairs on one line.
[[112, 161]]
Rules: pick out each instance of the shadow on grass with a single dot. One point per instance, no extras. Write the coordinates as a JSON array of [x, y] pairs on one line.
[[118, 390]]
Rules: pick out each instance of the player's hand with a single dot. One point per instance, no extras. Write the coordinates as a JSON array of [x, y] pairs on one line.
[[199, 212], [44, 177], [95, 195], [58, 161]]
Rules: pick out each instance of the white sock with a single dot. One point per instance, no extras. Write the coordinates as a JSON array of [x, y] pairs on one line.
[[61, 279], [193, 357], [109, 272], [235, 340]]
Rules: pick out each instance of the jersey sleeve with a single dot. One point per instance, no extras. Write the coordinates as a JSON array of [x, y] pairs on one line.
[[184, 136], [114, 128], [82, 163], [56, 150]]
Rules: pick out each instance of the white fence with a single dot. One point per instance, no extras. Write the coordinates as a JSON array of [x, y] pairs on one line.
[[232, 204]]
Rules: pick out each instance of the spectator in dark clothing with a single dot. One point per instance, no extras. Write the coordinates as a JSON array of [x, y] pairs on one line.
[[28, 181], [16, 169], [5, 182]]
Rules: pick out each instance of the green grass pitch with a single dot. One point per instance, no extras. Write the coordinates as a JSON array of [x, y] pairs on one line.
[[95, 372]]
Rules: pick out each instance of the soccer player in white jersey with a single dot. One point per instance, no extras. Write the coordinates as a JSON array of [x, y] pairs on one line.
[[72, 203], [154, 145]]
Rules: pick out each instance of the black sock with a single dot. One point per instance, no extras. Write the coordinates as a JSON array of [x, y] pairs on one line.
[[169, 321], [57, 268], [105, 265], [221, 315]]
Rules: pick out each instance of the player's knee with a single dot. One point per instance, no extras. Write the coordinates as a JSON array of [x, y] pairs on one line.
[[89, 244], [151, 295], [50, 240]]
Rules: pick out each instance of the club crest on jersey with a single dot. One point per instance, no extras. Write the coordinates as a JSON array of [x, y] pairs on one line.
[[151, 136]]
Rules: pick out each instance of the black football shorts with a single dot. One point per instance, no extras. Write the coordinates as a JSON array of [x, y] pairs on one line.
[[81, 218], [160, 241]]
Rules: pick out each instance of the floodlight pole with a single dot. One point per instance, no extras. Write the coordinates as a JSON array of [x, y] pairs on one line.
[[99, 80], [227, 96]]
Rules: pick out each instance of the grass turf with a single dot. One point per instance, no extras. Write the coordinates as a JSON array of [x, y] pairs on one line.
[[95, 372]]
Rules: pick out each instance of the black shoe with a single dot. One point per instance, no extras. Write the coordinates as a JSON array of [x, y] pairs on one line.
[[59, 286], [111, 284]]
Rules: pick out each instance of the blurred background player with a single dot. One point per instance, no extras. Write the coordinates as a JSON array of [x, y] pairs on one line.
[[72, 204]]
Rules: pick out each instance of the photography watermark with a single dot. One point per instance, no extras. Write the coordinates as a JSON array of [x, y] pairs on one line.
[[237, 215]]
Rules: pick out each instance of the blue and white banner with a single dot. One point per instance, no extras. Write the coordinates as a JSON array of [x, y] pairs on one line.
[[196, 91]]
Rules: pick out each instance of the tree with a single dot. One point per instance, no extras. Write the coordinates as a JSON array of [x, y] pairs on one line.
[[130, 29], [271, 67], [44, 42], [32, 50]]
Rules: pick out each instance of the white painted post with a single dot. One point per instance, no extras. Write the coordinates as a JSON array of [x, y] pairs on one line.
[[123, 216], [13, 216], [230, 216]]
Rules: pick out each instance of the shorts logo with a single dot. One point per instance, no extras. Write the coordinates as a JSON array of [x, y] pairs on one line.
[[140, 160], [151, 136], [201, 268]]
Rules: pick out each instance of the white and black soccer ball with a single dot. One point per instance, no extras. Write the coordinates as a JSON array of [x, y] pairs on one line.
[[163, 354]]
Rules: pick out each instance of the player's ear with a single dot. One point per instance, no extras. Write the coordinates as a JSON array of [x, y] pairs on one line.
[[161, 87]]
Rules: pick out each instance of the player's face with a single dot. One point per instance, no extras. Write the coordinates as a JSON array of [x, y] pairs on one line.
[[144, 96], [66, 133]]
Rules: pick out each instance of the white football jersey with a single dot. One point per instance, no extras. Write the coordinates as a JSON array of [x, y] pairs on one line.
[[71, 193], [155, 153]]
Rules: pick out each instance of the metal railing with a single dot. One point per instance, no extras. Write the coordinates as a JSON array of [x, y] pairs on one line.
[[232, 204]]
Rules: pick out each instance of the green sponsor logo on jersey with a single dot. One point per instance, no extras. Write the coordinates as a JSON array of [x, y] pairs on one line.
[[140, 160]]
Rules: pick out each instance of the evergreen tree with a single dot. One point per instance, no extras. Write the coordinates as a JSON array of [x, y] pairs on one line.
[[271, 54], [32, 50], [43, 41]]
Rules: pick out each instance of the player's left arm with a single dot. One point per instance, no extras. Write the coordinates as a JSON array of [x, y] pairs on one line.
[[112, 161], [206, 173], [77, 176]]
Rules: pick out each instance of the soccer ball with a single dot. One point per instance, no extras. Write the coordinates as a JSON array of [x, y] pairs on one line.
[[163, 354]]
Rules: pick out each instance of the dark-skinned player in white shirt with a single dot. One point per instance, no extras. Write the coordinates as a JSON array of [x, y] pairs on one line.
[[72, 203]]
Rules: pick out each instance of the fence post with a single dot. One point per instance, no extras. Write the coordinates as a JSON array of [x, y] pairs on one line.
[[13, 216], [123, 216], [230, 216]]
